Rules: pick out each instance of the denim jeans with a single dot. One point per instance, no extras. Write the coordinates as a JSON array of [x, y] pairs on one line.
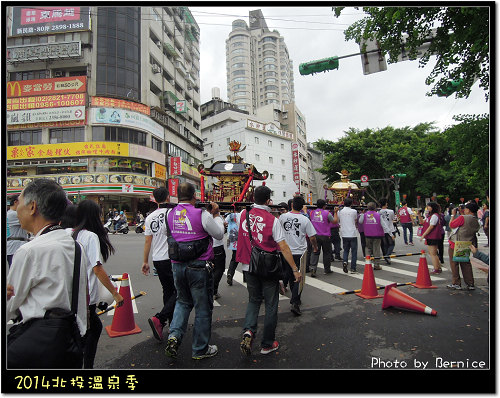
[[262, 289], [195, 288], [407, 226], [350, 244]]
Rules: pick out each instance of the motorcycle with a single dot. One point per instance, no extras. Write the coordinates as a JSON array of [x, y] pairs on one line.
[[139, 228], [109, 226], [123, 229]]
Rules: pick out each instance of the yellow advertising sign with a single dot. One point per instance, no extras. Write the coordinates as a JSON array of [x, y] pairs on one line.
[[192, 171], [160, 171], [70, 149]]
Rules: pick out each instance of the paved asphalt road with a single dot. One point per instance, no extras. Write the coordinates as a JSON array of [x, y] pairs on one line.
[[334, 332]]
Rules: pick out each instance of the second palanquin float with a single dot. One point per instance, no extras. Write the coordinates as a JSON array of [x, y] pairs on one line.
[[343, 189]]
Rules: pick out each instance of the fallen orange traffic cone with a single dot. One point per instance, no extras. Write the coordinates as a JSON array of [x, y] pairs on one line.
[[423, 276], [369, 288], [123, 321], [396, 298]]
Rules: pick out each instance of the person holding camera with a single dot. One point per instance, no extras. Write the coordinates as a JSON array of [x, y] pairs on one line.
[[465, 227], [191, 252]]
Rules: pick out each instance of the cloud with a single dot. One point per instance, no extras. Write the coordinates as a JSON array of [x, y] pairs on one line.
[[334, 101]]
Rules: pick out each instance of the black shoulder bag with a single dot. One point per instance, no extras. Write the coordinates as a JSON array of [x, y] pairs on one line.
[[51, 342], [264, 264], [185, 251]]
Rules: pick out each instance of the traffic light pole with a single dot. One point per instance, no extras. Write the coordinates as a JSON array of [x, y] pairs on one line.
[[395, 179]]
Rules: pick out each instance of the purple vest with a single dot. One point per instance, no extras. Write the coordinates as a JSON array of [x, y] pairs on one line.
[[371, 224], [437, 231], [319, 219], [185, 224], [261, 222]]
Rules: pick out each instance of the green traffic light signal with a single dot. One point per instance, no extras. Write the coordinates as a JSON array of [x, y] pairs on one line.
[[322, 65], [450, 88], [399, 175]]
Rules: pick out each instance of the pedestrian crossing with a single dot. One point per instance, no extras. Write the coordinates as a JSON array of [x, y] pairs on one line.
[[400, 270]]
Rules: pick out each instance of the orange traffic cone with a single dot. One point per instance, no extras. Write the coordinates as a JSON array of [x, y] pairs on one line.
[[396, 298], [123, 320], [423, 276], [369, 288]]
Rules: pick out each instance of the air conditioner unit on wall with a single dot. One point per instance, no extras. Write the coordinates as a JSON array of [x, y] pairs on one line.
[[156, 68]]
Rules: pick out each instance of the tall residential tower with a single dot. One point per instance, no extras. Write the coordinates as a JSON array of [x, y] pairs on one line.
[[259, 69]]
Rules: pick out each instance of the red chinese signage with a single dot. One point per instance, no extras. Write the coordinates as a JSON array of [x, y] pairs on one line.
[[295, 165], [49, 14], [175, 166], [173, 184], [49, 20], [45, 101], [118, 103], [59, 85]]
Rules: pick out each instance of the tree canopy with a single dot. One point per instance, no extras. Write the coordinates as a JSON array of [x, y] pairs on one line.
[[453, 163], [461, 43]]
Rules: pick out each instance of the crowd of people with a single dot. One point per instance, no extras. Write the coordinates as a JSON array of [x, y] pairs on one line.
[[186, 245]]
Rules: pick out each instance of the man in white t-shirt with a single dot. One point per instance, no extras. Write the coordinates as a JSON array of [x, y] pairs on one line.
[[387, 221], [296, 226], [156, 239], [219, 262], [348, 220]]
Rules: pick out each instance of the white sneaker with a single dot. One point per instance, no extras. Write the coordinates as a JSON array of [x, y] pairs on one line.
[[211, 351]]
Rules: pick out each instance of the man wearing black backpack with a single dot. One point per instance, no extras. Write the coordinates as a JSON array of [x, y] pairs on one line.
[[190, 231]]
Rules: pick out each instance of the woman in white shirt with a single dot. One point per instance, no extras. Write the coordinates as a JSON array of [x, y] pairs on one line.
[[90, 233]]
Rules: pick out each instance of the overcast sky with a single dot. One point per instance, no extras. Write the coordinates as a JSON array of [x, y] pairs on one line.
[[333, 101]]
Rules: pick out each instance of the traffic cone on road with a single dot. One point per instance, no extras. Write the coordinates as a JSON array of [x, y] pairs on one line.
[[369, 288], [423, 276], [123, 320], [394, 297]]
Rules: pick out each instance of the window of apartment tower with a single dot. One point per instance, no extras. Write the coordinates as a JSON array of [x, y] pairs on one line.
[[118, 55]]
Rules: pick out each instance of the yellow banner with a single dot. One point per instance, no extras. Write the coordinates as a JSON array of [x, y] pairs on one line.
[[70, 149], [160, 171], [192, 171]]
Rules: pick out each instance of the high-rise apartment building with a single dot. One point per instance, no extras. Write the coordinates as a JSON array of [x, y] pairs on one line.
[[259, 69], [101, 99]]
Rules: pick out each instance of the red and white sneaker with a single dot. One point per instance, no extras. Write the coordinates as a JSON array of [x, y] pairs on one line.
[[156, 327], [267, 350]]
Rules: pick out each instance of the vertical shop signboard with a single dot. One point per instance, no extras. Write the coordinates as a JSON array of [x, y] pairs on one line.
[[295, 165], [173, 184], [175, 166]]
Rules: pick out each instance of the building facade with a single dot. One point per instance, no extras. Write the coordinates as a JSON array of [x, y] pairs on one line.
[[264, 145], [259, 69], [316, 179], [104, 100]]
